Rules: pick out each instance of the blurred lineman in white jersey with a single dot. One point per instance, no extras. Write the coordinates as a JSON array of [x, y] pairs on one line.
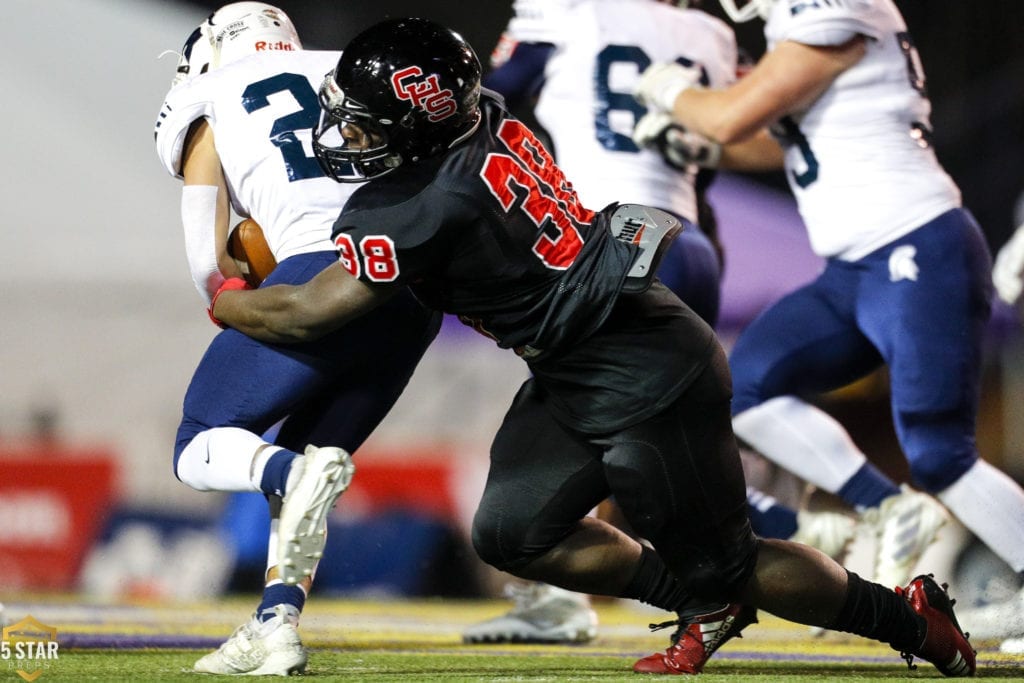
[[581, 60], [236, 126], [1008, 278], [906, 284]]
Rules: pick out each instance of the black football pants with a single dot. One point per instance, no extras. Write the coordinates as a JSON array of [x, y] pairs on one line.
[[677, 478]]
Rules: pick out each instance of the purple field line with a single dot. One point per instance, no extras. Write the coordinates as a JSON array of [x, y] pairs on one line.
[[115, 641], [121, 641]]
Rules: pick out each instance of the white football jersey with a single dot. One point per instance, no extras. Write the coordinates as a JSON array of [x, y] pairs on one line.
[[540, 21], [859, 159], [586, 103], [263, 110]]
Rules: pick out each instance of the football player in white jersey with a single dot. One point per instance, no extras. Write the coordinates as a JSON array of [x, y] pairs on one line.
[[906, 282], [1008, 279], [577, 63], [236, 126]]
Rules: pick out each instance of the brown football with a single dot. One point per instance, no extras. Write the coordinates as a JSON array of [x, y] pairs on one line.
[[249, 248]]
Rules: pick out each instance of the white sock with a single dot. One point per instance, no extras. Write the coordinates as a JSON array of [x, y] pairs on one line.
[[224, 459], [272, 559], [802, 439], [990, 504]]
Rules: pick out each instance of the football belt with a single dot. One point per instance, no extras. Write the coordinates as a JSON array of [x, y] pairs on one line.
[[652, 230]]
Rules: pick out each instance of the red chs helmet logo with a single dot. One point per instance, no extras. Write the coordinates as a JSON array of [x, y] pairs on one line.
[[424, 93], [277, 45]]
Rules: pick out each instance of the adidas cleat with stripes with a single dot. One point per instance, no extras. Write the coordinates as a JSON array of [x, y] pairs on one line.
[[694, 641], [945, 644], [260, 648], [905, 525]]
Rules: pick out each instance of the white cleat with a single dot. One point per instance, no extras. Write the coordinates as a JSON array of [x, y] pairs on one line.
[[829, 532], [996, 621], [542, 614], [313, 489], [1012, 646], [905, 525], [270, 648]]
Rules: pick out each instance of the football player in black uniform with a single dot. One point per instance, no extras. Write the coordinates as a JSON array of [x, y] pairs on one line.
[[630, 390]]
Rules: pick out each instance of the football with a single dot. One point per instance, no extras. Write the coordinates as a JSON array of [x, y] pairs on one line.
[[249, 248]]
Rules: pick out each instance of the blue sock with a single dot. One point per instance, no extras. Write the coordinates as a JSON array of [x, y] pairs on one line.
[[275, 473], [768, 517], [867, 488], [278, 594]]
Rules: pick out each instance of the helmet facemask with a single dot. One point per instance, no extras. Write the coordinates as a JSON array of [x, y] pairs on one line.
[[740, 11], [196, 55], [412, 87], [351, 144]]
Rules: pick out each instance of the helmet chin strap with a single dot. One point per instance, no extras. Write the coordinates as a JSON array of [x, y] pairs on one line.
[[465, 136]]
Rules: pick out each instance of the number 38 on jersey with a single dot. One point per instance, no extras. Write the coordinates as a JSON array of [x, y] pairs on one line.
[[374, 253]]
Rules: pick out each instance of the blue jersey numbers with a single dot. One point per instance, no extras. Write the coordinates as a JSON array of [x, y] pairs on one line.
[[609, 101], [298, 165]]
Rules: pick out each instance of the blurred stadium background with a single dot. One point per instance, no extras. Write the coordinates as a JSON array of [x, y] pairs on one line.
[[102, 328]]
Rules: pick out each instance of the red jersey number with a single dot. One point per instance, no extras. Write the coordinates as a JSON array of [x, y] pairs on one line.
[[549, 197], [375, 255], [347, 256]]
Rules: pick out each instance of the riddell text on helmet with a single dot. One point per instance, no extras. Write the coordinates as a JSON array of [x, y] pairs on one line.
[[276, 45]]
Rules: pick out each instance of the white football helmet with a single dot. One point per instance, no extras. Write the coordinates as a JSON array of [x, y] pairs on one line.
[[234, 31], [745, 10]]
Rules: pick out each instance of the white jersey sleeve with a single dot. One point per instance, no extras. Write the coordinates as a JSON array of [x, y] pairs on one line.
[[819, 23], [262, 110], [586, 103], [859, 159], [539, 21]]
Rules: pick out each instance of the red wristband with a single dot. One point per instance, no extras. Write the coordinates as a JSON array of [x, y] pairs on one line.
[[228, 285]]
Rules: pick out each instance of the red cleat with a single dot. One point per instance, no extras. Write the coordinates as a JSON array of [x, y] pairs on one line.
[[695, 642], [945, 644]]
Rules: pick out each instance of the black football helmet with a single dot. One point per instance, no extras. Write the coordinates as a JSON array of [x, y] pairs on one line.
[[403, 90]]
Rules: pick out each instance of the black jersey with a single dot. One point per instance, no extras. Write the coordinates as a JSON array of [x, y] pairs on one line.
[[493, 233]]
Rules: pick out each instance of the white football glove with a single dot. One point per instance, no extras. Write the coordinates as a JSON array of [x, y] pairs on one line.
[[661, 82], [678, 146], [1008, 270]]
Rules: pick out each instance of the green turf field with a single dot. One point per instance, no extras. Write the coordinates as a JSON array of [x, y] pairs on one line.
[[385, 640]]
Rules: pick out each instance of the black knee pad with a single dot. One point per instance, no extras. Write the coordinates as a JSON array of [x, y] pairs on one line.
[[485, 543], [498, 543]]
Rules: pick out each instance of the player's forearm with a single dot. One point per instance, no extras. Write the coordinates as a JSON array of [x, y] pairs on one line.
[[757, 154], [788, 79], [277, 314], [716, 115]]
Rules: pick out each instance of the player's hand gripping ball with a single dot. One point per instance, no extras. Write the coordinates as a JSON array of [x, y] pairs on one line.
[[249, 248]]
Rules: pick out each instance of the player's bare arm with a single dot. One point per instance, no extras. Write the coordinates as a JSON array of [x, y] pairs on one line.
[[295, 313], [755, 154], [786, 80]]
